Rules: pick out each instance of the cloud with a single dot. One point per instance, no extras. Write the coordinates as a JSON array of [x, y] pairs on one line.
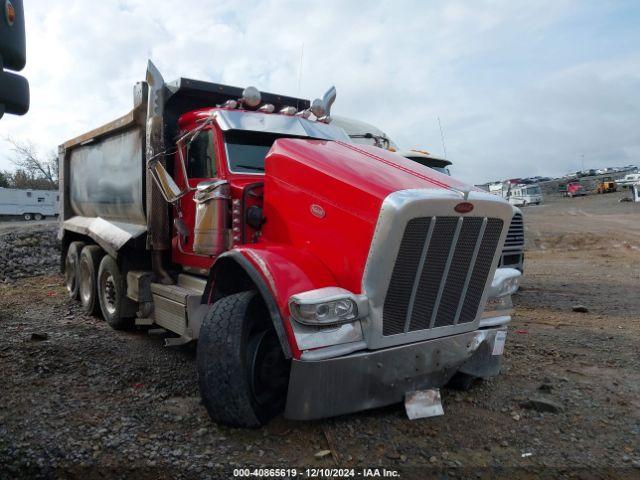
[[521, 88]]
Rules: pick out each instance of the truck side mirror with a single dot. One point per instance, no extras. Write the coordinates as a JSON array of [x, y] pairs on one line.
[[170, 191]]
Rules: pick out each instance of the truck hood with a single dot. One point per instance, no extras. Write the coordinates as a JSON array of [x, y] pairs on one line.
[[324, 197], [361, 175]]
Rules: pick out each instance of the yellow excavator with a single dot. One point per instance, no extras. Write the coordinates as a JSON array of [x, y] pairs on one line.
[[606, 185]]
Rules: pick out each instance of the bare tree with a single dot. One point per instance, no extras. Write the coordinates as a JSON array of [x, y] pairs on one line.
[[26, 157], [5, 179]]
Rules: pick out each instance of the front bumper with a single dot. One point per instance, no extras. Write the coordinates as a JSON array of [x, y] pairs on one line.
[[371, 379]]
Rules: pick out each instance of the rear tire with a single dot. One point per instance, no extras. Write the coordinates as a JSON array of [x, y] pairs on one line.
[[88, 278], [112, 293], [71, 268], [38, 216], [27, 216], [242, 372]]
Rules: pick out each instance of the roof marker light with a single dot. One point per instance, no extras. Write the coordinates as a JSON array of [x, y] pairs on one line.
[[289, 110], [267, 108], [251, 97]]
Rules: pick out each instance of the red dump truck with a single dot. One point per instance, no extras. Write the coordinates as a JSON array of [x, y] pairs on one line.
[[317, 276]]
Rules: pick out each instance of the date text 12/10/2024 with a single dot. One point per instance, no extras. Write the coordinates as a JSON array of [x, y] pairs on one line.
[[315, 473]]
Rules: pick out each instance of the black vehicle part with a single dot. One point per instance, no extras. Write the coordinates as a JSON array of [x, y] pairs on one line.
[[117, 309], [242, 372]]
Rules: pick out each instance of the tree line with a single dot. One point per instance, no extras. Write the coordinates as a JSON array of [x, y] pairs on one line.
[[33, 170]]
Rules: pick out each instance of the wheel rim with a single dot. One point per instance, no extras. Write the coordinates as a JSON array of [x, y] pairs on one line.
[[269, 369], [109, 294], [38, 217], [85, 283], [70, 273]]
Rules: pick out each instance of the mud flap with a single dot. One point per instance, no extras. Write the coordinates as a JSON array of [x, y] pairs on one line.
[[423, 404]]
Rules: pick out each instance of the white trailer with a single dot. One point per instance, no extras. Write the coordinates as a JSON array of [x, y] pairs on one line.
[[28, 204], [524, 194], [519, 194]]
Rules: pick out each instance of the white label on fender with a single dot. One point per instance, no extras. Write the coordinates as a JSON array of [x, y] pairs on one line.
[[498, 344]]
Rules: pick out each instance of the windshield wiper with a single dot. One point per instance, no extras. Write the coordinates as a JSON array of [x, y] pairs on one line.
[[251, 167]]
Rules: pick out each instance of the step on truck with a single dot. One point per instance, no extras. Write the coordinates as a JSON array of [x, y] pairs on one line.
[[317, 276]]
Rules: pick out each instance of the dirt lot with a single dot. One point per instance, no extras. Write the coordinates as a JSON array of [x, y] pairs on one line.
[[88, 402]]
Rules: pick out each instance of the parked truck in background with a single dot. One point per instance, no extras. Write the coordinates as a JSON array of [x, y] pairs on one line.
[[318, 276], [28, 204], [574, 189], [513, 250]]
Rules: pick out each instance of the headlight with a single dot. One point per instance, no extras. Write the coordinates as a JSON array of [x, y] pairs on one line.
[[337, 311], [327, 306], [505, 282]]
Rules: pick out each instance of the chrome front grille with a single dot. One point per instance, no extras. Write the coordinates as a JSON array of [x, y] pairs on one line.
[[440, 272], [515, 235]]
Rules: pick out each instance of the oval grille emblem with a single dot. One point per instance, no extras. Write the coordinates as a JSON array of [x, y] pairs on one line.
[[317, 210], [464, 207]]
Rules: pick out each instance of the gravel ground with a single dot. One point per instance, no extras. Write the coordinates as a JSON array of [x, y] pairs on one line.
[[79, 400], [28, 249]]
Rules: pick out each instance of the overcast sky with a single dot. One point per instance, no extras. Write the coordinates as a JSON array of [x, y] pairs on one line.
[[522, 88]]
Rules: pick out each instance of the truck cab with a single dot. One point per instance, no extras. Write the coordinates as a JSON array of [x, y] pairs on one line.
[[319, 277], [575, 189], [222, 155]]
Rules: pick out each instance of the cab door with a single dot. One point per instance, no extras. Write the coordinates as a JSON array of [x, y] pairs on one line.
[[201, 164]]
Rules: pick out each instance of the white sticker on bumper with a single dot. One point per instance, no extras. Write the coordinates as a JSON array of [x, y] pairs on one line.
[[498, 344]]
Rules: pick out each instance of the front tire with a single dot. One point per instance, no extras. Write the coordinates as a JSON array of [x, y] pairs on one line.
[[242, 372], [112, 292], [71, 268], [88, 278]]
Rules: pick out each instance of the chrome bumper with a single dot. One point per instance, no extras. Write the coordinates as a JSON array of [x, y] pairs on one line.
[[371, 379]]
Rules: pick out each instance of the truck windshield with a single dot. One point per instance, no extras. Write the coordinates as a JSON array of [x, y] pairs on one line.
[[246, 150], [533, 191]]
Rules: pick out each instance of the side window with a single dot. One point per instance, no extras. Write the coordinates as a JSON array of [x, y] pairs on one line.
[[40, 199], [201, 156], [28, 194]]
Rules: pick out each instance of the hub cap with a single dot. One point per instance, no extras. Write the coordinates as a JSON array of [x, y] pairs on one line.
[[109, 293], [269, 368]]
